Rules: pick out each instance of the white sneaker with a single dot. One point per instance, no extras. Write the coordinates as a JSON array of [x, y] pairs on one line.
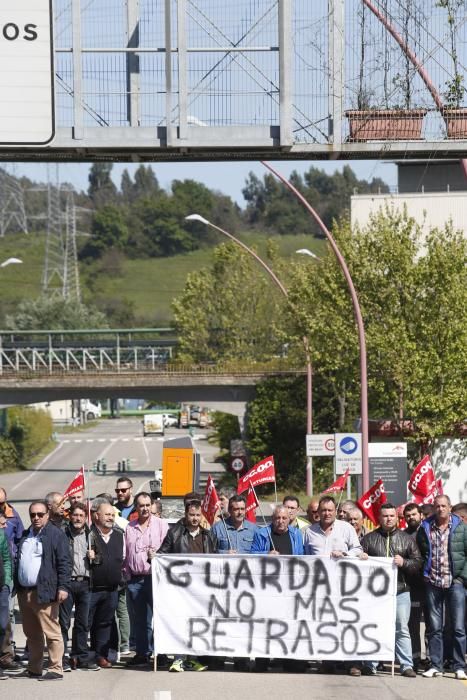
[[461, 675], [432, 673]]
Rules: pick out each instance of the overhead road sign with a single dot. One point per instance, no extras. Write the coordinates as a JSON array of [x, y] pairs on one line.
[[348, 453], [26, 73]]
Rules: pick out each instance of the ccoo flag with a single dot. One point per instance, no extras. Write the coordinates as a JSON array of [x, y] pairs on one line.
[[76, 485], [372, 500], [251, 505], [262, 473], [210, 502], [339, 484]]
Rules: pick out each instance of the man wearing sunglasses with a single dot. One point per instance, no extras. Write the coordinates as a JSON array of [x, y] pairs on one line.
[[42, 577], [125, 503]]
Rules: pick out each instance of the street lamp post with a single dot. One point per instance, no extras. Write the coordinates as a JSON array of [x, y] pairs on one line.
[[11, 261], [309, 369], [358, 318]]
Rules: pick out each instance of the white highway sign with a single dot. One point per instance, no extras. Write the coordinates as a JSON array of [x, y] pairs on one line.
[[26, 72]]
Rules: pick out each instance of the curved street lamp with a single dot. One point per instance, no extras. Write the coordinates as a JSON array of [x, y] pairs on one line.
[[11, 261], [358, 319], [309, 369]]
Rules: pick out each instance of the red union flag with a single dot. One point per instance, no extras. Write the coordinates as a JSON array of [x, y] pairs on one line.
[[262, 473], [339, 484], [372, 500], [422, 481], [76, 485], [210, 502], [251, 505]]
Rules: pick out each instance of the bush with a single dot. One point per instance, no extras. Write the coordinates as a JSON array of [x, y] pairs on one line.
[[30, 430], [8, 455]]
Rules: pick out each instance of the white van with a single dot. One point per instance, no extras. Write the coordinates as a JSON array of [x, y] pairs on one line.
[[153, 423]]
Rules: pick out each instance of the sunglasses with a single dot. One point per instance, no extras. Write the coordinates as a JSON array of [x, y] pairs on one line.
[[122, 490], [36, 515]]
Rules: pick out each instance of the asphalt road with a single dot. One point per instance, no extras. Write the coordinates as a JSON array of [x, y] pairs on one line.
[[112, 440]]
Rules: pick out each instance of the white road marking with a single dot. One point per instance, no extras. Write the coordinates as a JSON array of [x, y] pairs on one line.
[[36, 468]]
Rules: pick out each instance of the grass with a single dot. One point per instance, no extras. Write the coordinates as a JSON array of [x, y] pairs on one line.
[[149, 285]]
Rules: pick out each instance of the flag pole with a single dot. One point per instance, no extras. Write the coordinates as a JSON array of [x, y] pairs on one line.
[[262, 514], [225, 528]]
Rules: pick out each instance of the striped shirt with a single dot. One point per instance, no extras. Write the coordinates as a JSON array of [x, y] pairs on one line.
[[440, 574]]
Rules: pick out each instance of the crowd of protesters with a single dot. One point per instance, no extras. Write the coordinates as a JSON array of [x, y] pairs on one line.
[[91, 563]]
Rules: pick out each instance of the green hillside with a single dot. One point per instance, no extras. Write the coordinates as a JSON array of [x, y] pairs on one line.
[[137, 292]]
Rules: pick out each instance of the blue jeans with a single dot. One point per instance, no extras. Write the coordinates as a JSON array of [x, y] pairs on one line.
[[454, 599], [78, 597], [403, 643], [139, 591]]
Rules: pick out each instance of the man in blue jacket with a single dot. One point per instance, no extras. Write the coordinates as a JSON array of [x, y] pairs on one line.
[[442, 539], [42, 577], [278, 537]]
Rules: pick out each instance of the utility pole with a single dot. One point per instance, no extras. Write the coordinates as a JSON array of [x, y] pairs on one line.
[[12, 211]]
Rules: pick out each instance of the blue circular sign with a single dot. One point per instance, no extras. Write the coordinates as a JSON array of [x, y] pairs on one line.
[[348, 445]]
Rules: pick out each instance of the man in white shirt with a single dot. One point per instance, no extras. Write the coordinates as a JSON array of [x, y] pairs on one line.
[[336, 539]]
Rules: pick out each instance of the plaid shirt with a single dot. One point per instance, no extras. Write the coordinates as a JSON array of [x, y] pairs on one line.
[[440, 573]]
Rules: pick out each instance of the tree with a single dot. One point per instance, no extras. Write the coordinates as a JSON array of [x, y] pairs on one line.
[[101, 189], [411, 293], [146, 183], [272, 206], [230, 311], [158, 228], [54, 313], [108, 231]]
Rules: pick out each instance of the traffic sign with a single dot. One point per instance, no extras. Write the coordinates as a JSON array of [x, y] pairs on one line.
[[320, 445], [238, 464], [26, 72], [348, 453]]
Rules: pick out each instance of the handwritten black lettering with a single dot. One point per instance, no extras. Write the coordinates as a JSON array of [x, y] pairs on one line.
[[221, 583], [216, 632], [299, 573], [214, 605], [323, 634], [249, 609], [197, 629], [349, 640], [270, 573], [378, 573], [300, 602], [376, 645], [272, 636], [243, 573], [184, 579], [347, 608], [327, 608], [251, 627], [320, 578], [351, 578], [303, 635]]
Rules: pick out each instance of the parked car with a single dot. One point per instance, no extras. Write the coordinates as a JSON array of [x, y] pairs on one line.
[[170, 420]]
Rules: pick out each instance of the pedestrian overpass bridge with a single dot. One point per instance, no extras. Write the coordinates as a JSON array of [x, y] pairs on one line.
[[125, 363]]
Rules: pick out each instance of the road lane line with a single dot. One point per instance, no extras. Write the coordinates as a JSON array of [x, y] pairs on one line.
[[36, 468]]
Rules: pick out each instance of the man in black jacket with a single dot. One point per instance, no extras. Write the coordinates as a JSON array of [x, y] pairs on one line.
[[106, 559], [388, 541], [42, 578], [188, 537]]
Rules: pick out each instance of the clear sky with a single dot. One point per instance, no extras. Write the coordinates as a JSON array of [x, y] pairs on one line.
[[225, 177]]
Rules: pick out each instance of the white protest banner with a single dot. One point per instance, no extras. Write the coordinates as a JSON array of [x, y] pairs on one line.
[[295, 607]]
